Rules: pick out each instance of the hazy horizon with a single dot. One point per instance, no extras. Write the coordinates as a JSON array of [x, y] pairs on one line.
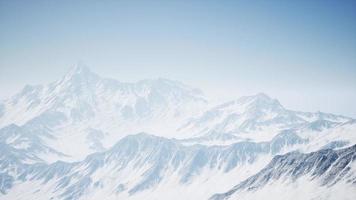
[[301, 53]]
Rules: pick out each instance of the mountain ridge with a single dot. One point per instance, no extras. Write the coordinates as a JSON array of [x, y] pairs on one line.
[[331, 166]]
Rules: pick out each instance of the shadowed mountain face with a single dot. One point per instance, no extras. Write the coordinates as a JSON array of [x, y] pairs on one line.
[[326, 166], [85, 137]]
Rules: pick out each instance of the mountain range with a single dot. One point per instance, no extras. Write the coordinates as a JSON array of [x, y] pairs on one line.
[[88, 137]]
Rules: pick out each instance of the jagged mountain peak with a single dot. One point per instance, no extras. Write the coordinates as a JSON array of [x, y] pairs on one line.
[[252, 107], [259, 99], [79, 69], [82, 95], [78, 76]]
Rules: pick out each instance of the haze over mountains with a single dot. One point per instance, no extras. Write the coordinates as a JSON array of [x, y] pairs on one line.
[[88, 137]]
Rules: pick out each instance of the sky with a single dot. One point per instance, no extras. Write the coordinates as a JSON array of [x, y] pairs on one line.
[[301, 52]]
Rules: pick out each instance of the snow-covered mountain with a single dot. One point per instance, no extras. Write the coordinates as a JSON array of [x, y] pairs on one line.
[[81, 102], [331, 173], [89, 137], [83, 95], [256, 117], [30, 141], [138, 163], [144, 166]]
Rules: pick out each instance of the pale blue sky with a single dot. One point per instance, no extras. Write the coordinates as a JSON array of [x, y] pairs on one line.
[[300, 52]]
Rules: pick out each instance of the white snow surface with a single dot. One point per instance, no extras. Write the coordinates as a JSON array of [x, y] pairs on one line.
[[82, 115]]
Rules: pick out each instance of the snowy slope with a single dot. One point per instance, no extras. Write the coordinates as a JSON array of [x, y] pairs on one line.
[[330, 173], [145, 166], [142, 162]]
